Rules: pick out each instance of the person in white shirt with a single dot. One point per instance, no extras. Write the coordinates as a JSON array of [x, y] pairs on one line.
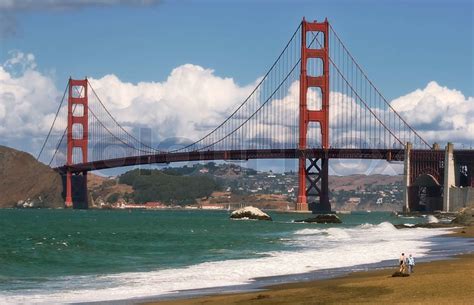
[[410, 263]]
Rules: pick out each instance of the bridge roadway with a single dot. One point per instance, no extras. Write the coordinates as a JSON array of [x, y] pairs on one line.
[[247, 154]]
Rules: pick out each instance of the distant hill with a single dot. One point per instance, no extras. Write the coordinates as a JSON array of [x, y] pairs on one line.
[[157, 185], [24, 178], [106, 189], [204, 183]]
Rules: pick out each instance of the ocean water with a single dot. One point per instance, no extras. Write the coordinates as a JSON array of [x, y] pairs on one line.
[[71, 256]]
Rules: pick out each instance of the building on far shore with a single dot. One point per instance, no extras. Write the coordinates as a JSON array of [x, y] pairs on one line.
[[351, 204], [148, 206], [210, 206]]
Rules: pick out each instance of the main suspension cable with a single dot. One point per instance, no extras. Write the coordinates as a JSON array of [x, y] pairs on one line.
[[54, 121]]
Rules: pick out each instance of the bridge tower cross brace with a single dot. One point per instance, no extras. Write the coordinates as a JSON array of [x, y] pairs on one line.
[[77, 98], [318, 170]]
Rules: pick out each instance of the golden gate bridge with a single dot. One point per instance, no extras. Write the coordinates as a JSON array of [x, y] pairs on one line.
[[314, 103]]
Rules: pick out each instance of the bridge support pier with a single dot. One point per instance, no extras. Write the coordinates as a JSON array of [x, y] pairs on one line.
[[313, 178], [449, 175], [407, 179], [302, 203], [75, 190], [68, 201]]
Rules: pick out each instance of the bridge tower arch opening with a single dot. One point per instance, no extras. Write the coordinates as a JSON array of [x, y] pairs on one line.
[[427, 193], [313, 172]]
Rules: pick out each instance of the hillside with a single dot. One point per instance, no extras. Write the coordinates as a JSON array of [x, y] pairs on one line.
[[156, 185], [105, 189], [231, 185], [357, 182], [24, 178]]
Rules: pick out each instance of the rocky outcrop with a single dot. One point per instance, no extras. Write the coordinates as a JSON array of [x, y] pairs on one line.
[[250, 213], [465, 217], [432, 219], [25, 182], [322, 218]]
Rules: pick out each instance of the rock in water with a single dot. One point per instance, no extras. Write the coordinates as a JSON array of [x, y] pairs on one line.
[[322, 218], [25, 182], [432, 219], [250, 213]]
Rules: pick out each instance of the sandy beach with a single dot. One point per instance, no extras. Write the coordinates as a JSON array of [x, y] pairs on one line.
[[448, 281]]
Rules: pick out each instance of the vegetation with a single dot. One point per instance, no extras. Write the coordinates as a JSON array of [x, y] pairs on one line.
[[113, 198], [168, 186]]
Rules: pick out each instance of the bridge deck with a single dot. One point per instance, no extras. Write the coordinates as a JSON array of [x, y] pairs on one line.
[[248, 154], [464, 156]]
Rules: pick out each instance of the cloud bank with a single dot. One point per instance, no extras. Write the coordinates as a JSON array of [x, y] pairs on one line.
[[191, 101], [439, 113], [27, 98]]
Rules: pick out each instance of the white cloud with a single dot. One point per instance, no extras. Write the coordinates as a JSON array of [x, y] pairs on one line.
[[193, 100], [26, 98], [190, 102], [19, 62], [440, 114], [2, 111]]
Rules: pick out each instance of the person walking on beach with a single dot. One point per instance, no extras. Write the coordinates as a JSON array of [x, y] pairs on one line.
[[402, 263], [410, 262]]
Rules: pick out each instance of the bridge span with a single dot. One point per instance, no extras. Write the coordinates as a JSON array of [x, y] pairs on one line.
[[245, 155], [314, 103]]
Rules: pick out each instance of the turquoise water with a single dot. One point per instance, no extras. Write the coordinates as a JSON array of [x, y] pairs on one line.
[[49, 253]]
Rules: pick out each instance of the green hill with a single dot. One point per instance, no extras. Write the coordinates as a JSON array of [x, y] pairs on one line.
[[156, 185]]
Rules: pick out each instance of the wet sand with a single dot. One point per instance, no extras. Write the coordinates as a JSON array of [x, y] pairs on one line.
[[463, 232], [441, 282]]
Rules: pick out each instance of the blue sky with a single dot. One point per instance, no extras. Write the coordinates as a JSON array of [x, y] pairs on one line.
[[402, 44]]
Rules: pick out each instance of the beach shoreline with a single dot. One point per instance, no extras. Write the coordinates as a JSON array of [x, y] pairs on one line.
[[445, 281]]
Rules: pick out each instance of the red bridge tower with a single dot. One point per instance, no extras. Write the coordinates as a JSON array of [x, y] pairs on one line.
[[313, 175], [77, 120]]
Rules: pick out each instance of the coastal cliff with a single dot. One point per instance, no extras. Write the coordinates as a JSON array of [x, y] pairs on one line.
[[22, 178]]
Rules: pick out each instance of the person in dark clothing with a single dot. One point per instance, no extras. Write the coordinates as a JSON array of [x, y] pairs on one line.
[[402, 263]]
